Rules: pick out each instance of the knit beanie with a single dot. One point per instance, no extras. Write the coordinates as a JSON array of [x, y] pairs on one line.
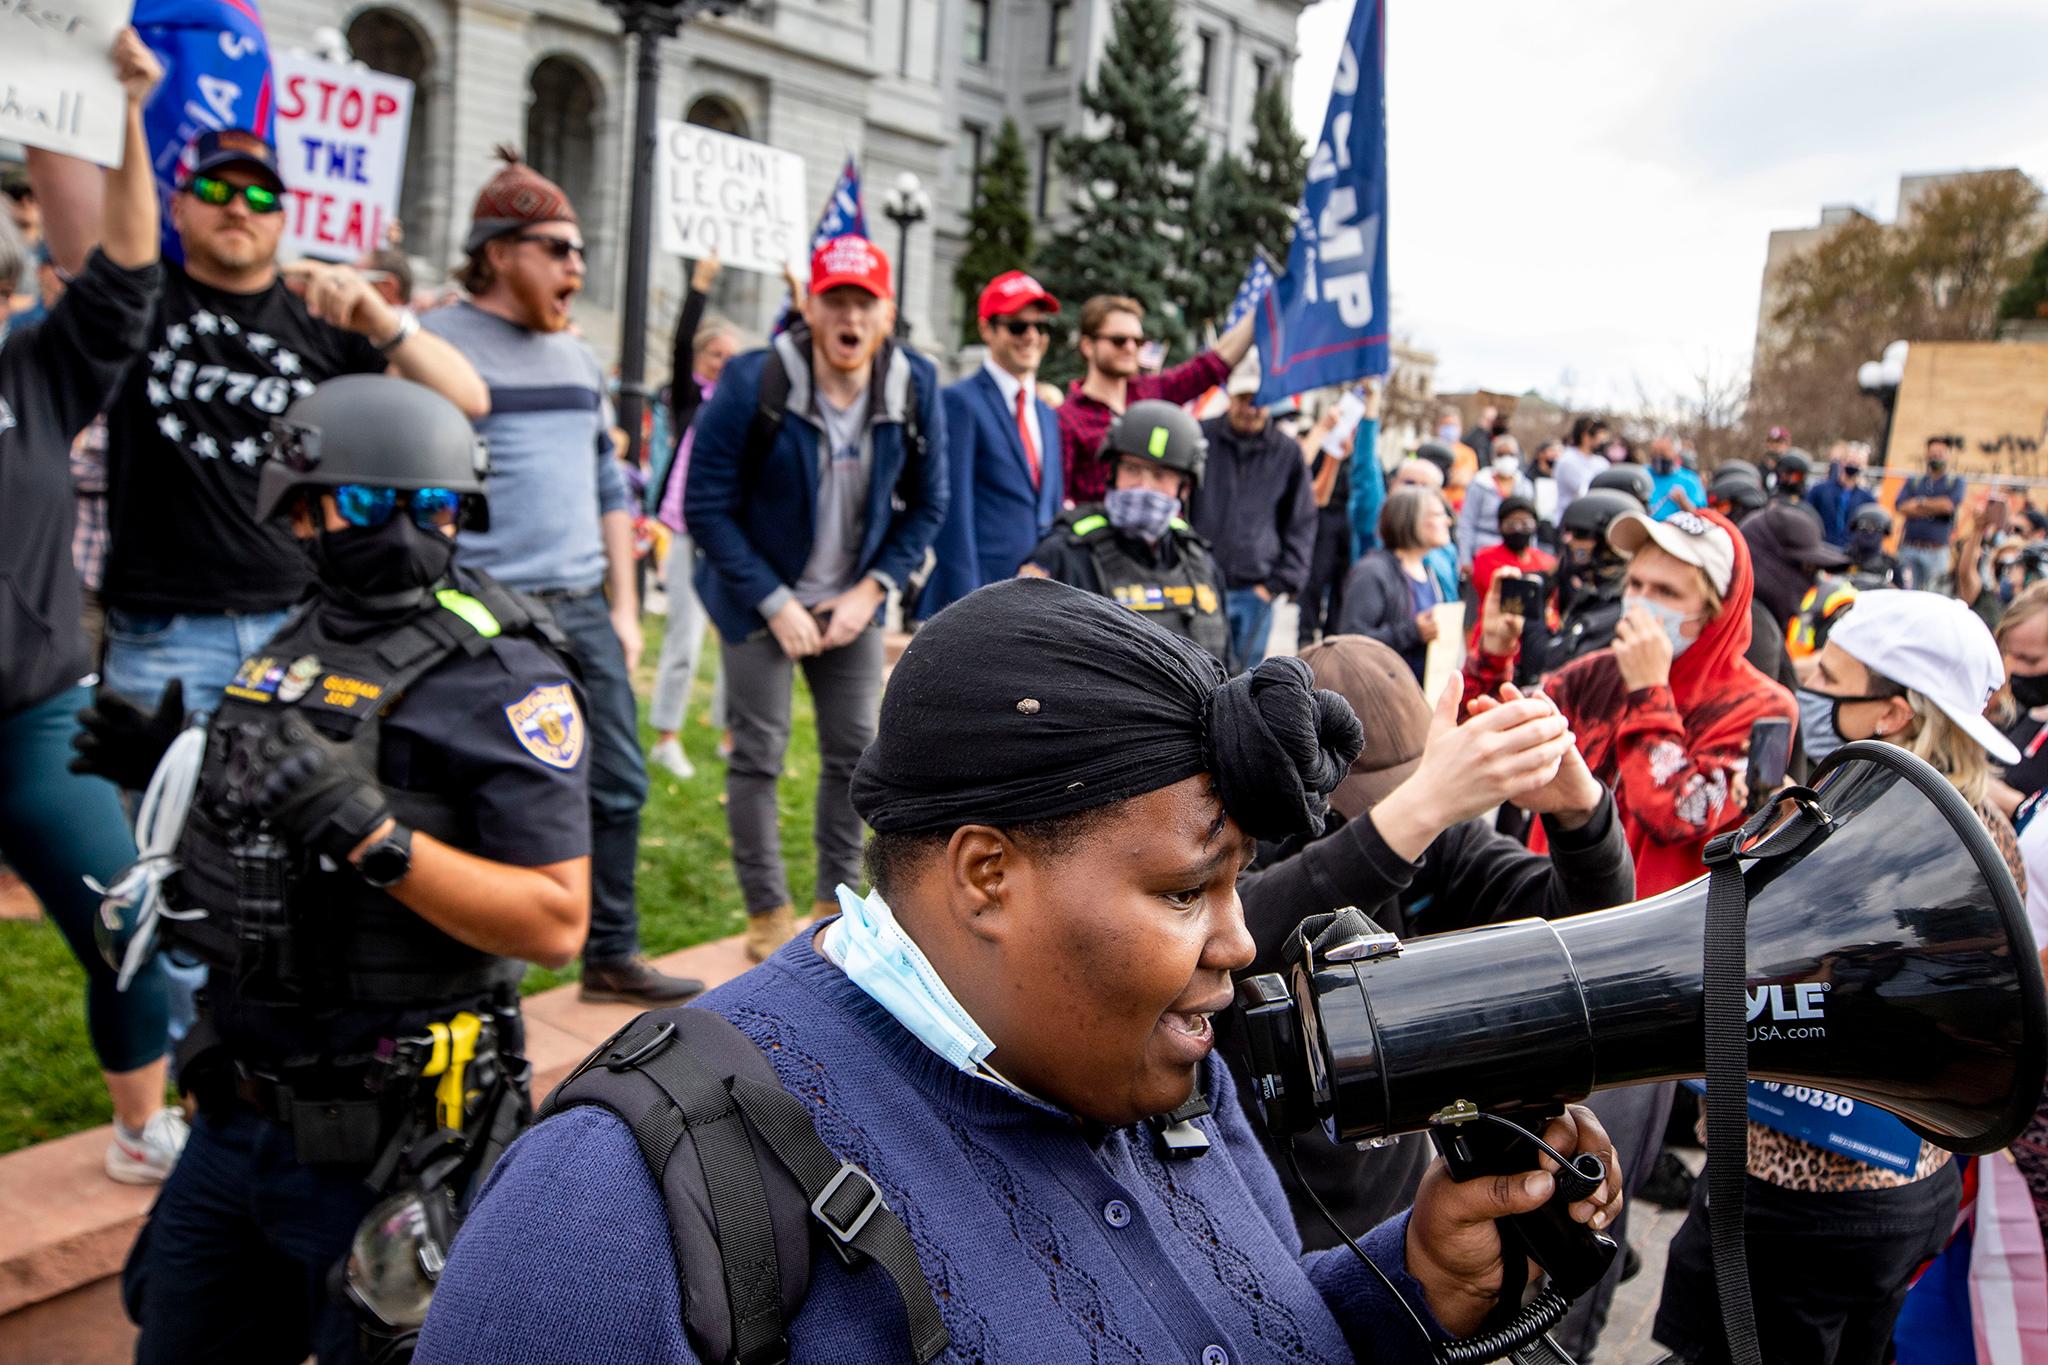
[[517, 196]]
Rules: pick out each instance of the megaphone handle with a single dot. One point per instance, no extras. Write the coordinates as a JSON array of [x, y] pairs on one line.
[[1573, 1255]]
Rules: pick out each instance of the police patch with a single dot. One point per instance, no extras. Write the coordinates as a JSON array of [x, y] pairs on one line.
[[547, 725]]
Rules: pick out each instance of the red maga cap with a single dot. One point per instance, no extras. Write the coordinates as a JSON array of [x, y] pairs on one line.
[[850, 260], [1011, 291]]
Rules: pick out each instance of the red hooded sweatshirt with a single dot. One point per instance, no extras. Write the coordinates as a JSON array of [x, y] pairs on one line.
[[1672, 754]]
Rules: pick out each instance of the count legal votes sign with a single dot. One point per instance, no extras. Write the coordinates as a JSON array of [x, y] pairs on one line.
[[57, 86], [341, 145], [743, 199]]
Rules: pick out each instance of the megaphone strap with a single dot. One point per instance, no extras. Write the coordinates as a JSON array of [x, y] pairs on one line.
[[1725, 984]]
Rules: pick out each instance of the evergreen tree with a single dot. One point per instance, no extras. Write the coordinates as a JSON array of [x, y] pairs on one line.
[[998, 233], [1245, 204], [2026, 297], [1131, 186]]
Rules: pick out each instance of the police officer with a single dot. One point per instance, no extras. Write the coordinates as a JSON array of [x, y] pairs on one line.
[[390, 814], [1134, 546], [1833, 594]]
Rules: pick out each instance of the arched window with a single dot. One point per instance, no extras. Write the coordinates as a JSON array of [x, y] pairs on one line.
[[718, 114], [561, 127], [385, 40]]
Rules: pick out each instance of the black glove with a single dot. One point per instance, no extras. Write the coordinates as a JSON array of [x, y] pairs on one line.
[[316, 797], [121, 742]]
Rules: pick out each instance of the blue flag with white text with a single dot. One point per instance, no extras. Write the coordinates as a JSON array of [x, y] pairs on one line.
[[216, 76], [1325, 321], [843, 214]]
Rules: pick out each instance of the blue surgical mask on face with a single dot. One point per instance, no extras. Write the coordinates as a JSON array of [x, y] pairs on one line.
[[1818, 727], [871, 948], [1671, 619], [1141, 512]]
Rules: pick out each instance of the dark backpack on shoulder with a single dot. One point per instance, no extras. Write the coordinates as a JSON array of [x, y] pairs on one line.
[[771, 402], [747, 1183]]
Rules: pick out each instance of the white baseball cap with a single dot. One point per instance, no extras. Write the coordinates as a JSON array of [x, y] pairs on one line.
[[1937, 647], [1685, 536]]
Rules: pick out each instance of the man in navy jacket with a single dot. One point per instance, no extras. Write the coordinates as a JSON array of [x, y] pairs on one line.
[[1002, 448], [799, 545]]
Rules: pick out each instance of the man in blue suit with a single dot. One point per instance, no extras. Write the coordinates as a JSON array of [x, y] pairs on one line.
[[1002, 448], [817, 482]]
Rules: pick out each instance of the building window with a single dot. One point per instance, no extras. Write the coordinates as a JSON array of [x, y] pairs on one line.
[[1205, 61], [561, 127], [970, 144], [1048, 138], [977, 31], [1059, 48], [384, 40], [1262, 75]]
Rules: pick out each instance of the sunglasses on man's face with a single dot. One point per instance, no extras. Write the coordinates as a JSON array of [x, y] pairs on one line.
[[258, 198], [365, 506], [1018, 327], [1121, 341], [561, 248]]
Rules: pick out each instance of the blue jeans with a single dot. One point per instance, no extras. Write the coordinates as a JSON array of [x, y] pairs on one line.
[[145, 651], [1251, 621], [234, 1261], [58, 828], [1922, 567], [618, 774]]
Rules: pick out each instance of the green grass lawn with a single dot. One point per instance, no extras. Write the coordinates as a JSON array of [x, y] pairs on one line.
[[49, 1082]]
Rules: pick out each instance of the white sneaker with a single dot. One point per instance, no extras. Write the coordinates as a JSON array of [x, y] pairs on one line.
[[148, 1159], [669, 754]]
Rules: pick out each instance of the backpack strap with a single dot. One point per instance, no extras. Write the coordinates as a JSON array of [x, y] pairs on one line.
[[681, 1073], [771, 402]]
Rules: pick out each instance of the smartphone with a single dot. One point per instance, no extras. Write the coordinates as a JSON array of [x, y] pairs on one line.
[[1994, 515], [1770, 754], [1522, 596]]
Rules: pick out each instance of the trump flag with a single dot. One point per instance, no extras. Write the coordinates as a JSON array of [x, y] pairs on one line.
[[216, 75], [1325, 321]]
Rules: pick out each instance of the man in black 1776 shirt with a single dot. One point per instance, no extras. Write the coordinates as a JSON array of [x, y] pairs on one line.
[[194, 583]]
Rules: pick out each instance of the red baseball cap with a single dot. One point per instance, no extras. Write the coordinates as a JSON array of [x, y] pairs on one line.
[[1011, 291], [850, 260]]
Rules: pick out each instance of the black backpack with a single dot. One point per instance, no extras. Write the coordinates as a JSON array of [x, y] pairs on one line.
[[709, 1113], [771, 401]]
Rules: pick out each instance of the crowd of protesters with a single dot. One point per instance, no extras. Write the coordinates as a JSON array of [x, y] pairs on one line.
[[1559, 646]]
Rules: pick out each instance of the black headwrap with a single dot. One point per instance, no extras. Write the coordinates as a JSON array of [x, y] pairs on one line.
[[1030, 699]]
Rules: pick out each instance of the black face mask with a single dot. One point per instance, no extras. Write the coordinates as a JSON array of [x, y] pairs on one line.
[[1517, 541], [2030, 689], [380, 561]]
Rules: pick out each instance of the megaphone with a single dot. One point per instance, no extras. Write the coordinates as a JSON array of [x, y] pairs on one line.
[[1889, 960]]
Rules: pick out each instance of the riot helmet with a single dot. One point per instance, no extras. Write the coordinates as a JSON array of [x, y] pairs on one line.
[[1632, 479], [1162, 432], [375, 431], [1871, 517], [1734, 471]]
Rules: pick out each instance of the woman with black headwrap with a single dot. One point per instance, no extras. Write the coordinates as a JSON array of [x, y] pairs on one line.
[[1063, 797]]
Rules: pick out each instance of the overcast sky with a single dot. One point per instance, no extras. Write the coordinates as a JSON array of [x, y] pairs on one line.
[[1588, 186]]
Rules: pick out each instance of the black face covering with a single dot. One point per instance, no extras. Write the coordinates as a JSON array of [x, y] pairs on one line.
[[381, 561], [1517, 541], [2030, 689]]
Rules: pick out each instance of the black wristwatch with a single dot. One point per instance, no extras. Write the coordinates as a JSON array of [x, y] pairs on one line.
[[386, 862]]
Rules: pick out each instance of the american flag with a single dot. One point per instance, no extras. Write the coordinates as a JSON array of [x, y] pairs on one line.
[[1257, 280], [843, 212]]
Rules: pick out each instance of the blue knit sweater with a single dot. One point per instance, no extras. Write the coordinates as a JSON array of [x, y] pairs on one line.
[[1044, 1241]]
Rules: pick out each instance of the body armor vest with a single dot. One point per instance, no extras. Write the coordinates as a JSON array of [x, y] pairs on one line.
[[1181, 597], [290, 928]]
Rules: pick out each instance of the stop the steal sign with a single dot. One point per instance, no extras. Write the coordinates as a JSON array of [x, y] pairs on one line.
[[341, 146]]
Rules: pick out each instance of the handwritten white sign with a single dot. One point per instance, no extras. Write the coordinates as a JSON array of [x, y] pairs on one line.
[[57, 86], [743, 199], [341, 147]]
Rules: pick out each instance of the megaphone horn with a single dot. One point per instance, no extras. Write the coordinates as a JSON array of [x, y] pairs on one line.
[[1889, 960]]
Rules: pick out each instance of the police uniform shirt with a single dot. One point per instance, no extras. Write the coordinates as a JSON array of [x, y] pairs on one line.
[[503, 735]]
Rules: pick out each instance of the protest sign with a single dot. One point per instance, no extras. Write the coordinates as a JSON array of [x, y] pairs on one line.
[[59, 92], [341, 145], [742, 199], [1446, 653]]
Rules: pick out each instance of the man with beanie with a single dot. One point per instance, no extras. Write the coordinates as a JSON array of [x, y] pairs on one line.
[[1004, 472], [562, 523], [1256, 508], [817, 483], [1063, 798]]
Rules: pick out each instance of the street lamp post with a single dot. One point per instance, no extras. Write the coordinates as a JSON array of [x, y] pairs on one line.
[[647, 22], [906, 205], [1881, 379]]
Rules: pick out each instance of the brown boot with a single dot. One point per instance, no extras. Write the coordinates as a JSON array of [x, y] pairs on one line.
[[768, 931]]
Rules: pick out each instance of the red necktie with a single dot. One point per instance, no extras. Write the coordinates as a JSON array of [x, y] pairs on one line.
[[1024, 435]]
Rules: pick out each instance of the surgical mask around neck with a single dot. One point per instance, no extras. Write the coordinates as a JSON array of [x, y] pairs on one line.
[[1671, 619], [869, 945], [1141, 512]]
